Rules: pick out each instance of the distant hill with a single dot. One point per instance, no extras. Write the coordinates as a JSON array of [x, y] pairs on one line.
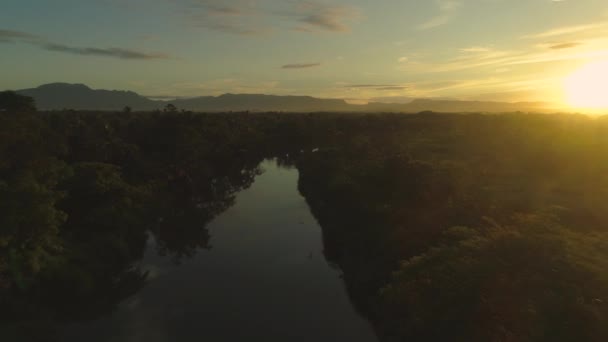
[[256, 103], [80, 97]]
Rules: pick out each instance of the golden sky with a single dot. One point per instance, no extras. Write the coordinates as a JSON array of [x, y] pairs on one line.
[[385, 50]]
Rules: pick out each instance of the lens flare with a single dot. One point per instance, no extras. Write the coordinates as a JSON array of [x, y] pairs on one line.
[[587, 88]]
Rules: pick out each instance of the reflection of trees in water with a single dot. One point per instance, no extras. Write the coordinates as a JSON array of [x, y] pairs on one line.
[[352, 195], [190, 205], [80, 195]]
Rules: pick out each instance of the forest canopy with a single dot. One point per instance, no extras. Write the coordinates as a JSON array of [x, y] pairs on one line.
[[446, 227]]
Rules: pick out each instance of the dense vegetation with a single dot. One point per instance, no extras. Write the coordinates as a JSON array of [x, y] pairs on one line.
[[469, 228], [446, 227]]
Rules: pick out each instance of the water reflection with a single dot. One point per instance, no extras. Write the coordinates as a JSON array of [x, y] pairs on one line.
[[264, 279]]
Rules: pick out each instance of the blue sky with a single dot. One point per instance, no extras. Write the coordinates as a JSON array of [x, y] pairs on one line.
[[389, 50]]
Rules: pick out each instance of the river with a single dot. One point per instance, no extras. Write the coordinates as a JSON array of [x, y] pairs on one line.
[[264, 279]]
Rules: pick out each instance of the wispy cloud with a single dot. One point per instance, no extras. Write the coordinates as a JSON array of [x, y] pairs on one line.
[[314, 16], [552, 57], [234, 28], [368, 85], [463, 88], [10, 35], [218, 7], [392, 88], [567, 30], [494, 60], [468, 59], [222, 9], [380, 87], [246, 17], [42, 43], [559, 44], [300, 65], [447, 10], [240, 17], [566, 45], [476, 49], [110, 52]]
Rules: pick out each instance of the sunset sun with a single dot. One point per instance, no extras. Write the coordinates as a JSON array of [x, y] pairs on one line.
[[587, 88]]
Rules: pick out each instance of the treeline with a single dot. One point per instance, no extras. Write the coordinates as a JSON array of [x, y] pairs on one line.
[[447, 227]]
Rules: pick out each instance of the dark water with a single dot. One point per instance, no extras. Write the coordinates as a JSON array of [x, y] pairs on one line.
[[265, 279]]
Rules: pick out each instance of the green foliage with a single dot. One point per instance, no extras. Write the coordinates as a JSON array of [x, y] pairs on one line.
[[30, 220], [386, 201], [519, 282], [81, 192]]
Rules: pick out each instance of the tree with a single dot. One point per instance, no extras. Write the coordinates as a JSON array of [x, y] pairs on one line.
[[170, 108], [13, 102], [127, 110]]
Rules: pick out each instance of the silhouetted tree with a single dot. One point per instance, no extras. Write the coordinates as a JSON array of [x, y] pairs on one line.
[[170, 108], [13, 102]]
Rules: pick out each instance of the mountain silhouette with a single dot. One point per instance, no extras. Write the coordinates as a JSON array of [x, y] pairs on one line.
[[258, 102], [79, 96], [58, 96]]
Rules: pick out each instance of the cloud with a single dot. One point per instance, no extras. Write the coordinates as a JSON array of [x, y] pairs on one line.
[[469, 59], [301, 66], [497, 61], [464, 87], [233, 28], [18, 35], [476, 49], [447, 10], [381, 87], [315, 16], [110, 52], [226, 10], [392, 88], [369, 85], [567, 30], [568, 45], [217, 7], [42, 43], [246, 17], [552, 57], [239, 17]]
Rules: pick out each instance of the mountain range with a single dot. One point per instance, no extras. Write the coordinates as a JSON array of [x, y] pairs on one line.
[[57, 96]]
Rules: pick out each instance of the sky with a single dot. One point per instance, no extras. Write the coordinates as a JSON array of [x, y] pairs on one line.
[[383, 50]]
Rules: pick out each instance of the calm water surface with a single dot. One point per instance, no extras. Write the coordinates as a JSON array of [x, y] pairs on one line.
[[265, 279]]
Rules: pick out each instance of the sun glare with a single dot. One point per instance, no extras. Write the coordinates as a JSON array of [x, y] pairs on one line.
[[587, 88]]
